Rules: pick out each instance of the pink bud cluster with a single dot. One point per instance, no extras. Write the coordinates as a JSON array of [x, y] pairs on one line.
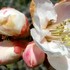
[[15, 24]]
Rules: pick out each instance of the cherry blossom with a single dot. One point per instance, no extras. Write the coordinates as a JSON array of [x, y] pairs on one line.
[[51, 31]]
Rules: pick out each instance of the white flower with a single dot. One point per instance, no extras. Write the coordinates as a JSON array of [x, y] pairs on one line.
[[51, 32]]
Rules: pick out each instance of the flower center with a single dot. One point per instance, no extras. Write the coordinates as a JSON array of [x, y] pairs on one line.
[[62, 32]]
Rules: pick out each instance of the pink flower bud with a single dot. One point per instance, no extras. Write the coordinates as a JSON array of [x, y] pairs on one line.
[[11, 51], [13, 23], [33, 55]]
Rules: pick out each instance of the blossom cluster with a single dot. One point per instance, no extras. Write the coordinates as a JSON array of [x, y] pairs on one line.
[[50, 34]]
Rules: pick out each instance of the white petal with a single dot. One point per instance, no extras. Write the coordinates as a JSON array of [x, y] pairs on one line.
[[54, 48], [43, 13], [60, 63], [7, 53], [63, 11]]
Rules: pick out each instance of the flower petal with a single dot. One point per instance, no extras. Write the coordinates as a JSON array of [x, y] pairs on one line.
[[63, 11], [13, 22], [55, 48], [60, 63], [44, 12], [7, 53], [33, 55], [10, 51]]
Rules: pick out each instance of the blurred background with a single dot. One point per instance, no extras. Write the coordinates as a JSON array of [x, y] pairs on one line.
[[23, 6]]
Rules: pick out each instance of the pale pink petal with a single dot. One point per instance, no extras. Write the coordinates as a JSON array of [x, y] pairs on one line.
[[33, 55], [63, 11]]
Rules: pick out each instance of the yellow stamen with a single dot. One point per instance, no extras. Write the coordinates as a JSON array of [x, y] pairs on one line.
[[59, 34]]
